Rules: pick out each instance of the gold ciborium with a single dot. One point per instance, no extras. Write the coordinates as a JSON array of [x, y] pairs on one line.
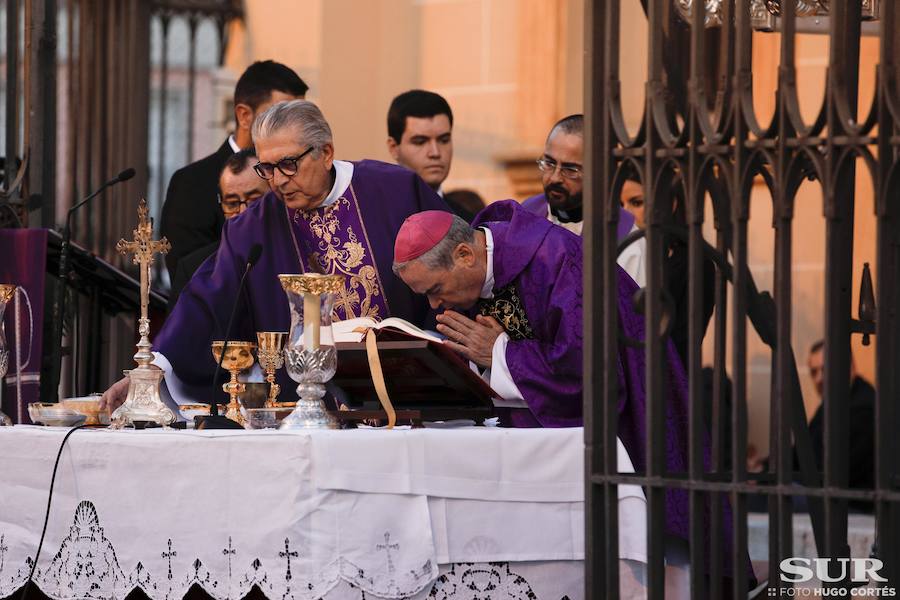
[[238, 357], [270, 355]]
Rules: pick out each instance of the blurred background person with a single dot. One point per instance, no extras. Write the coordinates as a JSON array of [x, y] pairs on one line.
[[420, 138]]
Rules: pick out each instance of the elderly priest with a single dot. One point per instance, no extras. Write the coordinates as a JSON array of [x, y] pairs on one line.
[[322, 215]]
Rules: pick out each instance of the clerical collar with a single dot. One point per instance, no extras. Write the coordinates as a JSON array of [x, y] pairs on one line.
[[234, 145], [567, 216], [440, 192], [343, 173], [487, 290]]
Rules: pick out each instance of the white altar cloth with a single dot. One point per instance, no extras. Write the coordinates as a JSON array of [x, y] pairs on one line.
[[302, 515]]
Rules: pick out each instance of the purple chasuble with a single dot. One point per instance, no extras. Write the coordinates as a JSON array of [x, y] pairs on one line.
[[379, 199], [334, 240], [538, 205], [544, 263]]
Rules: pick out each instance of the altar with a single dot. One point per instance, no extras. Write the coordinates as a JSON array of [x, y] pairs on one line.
[[367, 513]]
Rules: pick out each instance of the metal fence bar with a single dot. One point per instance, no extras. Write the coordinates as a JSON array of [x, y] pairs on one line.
[[12, 91], [656, 201], [781, 531], [164, 21], [839, 209], [887, 375], [192, 84], [595, 559], [694, 215]]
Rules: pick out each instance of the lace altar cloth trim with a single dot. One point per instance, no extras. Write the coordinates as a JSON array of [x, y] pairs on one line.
[[86, 566], [162, 511]]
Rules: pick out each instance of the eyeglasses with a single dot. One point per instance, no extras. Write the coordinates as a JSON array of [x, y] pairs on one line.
[[567, 171], [230, 207], [287, 165]]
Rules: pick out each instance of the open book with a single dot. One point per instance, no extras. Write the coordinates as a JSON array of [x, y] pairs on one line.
[[344, 331]]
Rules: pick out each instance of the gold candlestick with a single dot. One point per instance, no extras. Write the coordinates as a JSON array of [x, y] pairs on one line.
[[143, 403], [270, 355], [238, 357]]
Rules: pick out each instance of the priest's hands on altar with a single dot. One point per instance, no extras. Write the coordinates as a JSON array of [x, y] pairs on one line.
[[115, 396], [473, 339]]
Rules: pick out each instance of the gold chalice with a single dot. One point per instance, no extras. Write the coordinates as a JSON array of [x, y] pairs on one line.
[[271, 358], [238, 357]]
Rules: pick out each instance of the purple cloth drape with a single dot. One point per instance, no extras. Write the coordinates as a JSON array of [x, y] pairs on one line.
[[23, 261]]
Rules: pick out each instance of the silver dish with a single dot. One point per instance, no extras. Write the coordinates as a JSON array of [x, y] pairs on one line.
[[54, 415]]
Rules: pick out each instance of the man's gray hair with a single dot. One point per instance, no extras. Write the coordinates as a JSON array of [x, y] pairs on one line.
[[441, 255], [301, 115]]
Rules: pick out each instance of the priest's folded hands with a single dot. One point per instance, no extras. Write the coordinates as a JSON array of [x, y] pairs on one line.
[[473, 339]]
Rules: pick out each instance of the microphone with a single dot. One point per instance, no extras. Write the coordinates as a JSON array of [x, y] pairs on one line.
[[59, 302], [214, 420], [123, 176]]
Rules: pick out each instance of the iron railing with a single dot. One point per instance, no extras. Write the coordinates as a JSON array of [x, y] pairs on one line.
[[699, 131]]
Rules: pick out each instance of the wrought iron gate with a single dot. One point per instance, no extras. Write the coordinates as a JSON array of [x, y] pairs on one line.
[[699, 131]]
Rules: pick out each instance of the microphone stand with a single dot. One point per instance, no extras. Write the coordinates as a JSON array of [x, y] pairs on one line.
[[214, 420], [59, 299]]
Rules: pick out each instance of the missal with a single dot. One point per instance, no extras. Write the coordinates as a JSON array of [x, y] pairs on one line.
[[354, 330]]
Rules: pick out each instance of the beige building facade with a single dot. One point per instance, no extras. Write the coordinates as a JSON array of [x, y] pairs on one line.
[[508, 68]]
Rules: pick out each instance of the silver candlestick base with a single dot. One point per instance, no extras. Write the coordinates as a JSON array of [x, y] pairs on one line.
[[310, 412], [143, 404]]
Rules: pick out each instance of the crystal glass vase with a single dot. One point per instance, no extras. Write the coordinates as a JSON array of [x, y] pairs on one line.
[[6, 295], [310, 355]]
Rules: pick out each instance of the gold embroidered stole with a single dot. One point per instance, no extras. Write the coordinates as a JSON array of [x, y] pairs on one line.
[[506, 307], [333, 240]]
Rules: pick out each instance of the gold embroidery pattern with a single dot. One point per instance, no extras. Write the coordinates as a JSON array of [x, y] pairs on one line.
[[506, 307], [336, 258]]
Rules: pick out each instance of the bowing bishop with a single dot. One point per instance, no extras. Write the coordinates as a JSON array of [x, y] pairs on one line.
[[511, 289]]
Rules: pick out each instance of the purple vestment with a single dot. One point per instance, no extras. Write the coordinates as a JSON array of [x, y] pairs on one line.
[[354, 236], [537, 204], [544, 264]]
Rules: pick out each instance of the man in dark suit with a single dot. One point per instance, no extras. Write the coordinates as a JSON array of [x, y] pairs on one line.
[[239, 186], [191, 216]]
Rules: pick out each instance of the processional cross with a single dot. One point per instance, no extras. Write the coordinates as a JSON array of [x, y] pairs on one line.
[[144, 247]]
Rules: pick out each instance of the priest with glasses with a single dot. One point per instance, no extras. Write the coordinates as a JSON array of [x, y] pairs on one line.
[[321, 215]]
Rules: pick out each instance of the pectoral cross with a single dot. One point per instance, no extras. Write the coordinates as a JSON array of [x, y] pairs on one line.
[[144, 247]]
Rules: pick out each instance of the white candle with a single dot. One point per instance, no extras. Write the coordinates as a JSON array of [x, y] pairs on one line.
[[311, 319]]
